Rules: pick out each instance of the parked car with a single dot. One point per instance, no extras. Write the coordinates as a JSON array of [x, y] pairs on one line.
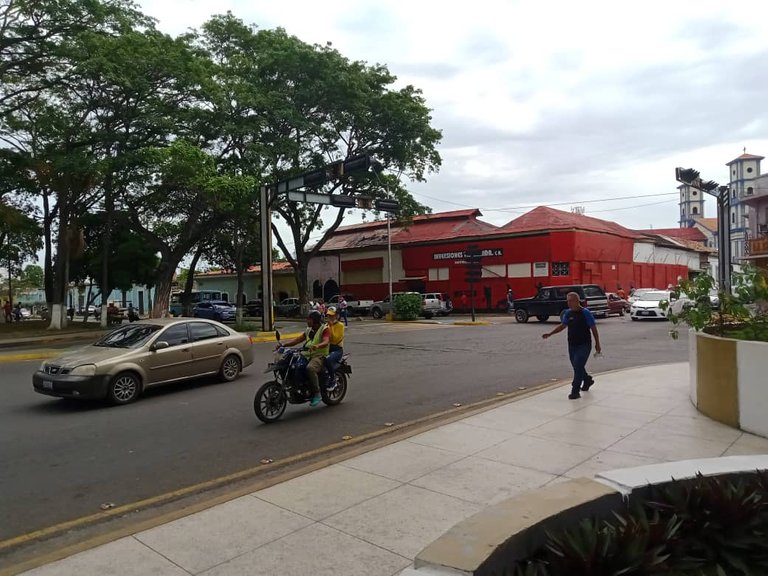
[[638, 291], [253, 308], [218, 310], [648, 305], [355, 307], [434, 305], [552, 301], [133, 357], [617, 305], [25, 313], [288, 307]]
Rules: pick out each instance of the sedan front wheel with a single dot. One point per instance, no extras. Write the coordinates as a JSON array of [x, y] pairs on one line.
[[124, 388]]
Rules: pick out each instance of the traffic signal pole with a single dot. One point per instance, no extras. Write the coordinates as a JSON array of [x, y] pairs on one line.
[[265, 216]]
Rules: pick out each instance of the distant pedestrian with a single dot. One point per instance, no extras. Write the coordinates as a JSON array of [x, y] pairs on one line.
[[581, 327], [343, 312], [620, 293], [7, 311], [464, 302], [510, 301]]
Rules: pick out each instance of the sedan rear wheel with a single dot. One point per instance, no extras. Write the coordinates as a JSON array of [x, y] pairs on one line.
[[124, 388]]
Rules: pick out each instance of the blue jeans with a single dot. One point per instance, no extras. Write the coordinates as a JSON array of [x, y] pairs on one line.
[[579, 354], [330, 361], [344, 313]]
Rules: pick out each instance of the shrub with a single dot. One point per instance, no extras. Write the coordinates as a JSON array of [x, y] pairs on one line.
[[704, 526], [407, 306], [741, 314]]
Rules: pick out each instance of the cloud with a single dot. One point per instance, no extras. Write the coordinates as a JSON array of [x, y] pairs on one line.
[[554, 102]]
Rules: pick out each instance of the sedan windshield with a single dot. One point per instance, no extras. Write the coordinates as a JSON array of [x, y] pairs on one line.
[[131, 336], [653, 296]]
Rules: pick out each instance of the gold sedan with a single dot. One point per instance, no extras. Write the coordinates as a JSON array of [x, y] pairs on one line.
[[135, 356]]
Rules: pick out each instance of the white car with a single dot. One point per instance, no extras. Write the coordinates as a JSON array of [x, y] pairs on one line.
[[648, 305], [638, 291]]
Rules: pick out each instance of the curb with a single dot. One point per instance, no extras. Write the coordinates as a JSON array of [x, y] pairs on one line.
[[41, 355], [261, 338]]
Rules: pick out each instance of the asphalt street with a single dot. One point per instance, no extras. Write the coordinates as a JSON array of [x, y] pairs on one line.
[[63, 460]]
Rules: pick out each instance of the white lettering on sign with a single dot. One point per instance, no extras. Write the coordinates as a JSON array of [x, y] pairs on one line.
[[487, 252]]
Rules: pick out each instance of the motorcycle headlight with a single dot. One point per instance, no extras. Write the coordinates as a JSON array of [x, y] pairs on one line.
[[84, 370]]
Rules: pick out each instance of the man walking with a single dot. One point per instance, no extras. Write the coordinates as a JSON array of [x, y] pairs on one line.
[[581, 327], [510, 302]]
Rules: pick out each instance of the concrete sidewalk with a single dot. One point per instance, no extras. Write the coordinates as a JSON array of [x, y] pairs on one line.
[[372, 514]]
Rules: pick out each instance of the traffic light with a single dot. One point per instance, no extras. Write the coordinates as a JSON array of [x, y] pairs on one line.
[[474, 267], [342, 201]]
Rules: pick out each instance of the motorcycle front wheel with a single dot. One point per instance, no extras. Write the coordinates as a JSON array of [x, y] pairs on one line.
[[270, 402], [335, 396]]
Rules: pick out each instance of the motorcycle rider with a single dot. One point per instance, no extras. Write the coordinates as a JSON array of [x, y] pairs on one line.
[[337, 344], [316, 340]]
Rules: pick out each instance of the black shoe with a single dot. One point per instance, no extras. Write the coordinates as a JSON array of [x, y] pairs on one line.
[[574, 396], [587, 384]]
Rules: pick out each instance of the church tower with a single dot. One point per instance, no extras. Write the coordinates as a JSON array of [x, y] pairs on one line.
[[691, 205], [744, 170]]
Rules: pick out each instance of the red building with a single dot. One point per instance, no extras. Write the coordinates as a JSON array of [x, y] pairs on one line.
[[544, 246]]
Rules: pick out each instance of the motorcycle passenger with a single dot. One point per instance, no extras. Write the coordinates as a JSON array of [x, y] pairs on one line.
[[316, 340], [337, 344]]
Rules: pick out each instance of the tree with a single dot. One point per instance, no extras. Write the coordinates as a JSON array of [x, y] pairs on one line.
[[288, 106], [237, 244], [185, 199], [33, 277]]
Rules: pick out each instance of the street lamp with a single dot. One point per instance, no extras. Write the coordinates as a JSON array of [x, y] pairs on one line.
[[692, 178], [390, 207]]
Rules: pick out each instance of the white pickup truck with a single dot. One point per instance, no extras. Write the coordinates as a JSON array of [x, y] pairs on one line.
[[355, 307]]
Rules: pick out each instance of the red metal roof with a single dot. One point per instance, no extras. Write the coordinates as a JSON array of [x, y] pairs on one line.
[[683, 233], [426, 228], [544, 219]]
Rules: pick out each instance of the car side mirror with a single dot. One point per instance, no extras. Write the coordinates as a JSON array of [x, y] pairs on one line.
[[162, 345]]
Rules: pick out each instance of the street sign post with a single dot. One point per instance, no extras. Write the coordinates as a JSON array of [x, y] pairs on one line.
[[691, 177], [290, 187], [473, 272]]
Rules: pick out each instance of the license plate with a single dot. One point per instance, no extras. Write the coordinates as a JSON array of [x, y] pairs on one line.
[[47, 385], [643, 313]]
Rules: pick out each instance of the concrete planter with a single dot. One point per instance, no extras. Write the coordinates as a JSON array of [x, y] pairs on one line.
[[729, 381], [487, 543]]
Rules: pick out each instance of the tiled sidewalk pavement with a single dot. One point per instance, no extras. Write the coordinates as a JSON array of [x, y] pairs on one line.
[[372, 514]]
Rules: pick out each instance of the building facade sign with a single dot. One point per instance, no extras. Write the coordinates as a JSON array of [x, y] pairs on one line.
[[461, 254]]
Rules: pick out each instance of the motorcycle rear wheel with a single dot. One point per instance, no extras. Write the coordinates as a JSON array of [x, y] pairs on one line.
[[336, 395], [270, 402]]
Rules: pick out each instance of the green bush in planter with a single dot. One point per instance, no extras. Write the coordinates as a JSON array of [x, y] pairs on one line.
[[742, 314], [407, 306]]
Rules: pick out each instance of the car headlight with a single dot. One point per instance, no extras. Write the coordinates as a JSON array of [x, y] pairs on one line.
[[84, 370], [43, 365]]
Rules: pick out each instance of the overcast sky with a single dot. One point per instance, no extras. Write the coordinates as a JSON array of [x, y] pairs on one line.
[[558, 103]]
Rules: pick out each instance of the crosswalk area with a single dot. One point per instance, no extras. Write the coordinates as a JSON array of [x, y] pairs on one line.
[[388, 327]]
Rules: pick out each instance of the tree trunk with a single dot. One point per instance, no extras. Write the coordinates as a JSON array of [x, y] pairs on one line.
[[163, 292], [302, 282], [239, 298], [48, 258], [186, 297], [59, 299], [109, 208]]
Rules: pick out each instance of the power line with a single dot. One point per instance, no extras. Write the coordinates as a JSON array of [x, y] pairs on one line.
[[525, 207]]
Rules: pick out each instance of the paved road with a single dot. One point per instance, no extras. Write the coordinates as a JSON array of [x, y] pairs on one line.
[[62, 460]]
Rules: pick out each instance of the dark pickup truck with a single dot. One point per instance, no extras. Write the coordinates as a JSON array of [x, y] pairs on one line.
[[552, 301]]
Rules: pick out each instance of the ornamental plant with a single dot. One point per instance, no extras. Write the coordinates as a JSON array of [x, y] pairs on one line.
[[407, 306], [741, 314]]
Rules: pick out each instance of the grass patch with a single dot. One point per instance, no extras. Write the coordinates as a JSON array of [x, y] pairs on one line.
[[33, 328]]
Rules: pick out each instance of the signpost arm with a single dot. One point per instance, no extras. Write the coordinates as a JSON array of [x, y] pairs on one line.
[[265, 213]]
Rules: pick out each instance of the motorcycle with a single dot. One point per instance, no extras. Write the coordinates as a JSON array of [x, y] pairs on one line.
[[291, 386]]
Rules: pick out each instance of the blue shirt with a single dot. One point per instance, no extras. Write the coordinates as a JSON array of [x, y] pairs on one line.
[[579, 324]]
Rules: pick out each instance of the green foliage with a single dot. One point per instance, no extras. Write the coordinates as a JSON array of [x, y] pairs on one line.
[[704, 526], [407, 306], [742, 313]]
